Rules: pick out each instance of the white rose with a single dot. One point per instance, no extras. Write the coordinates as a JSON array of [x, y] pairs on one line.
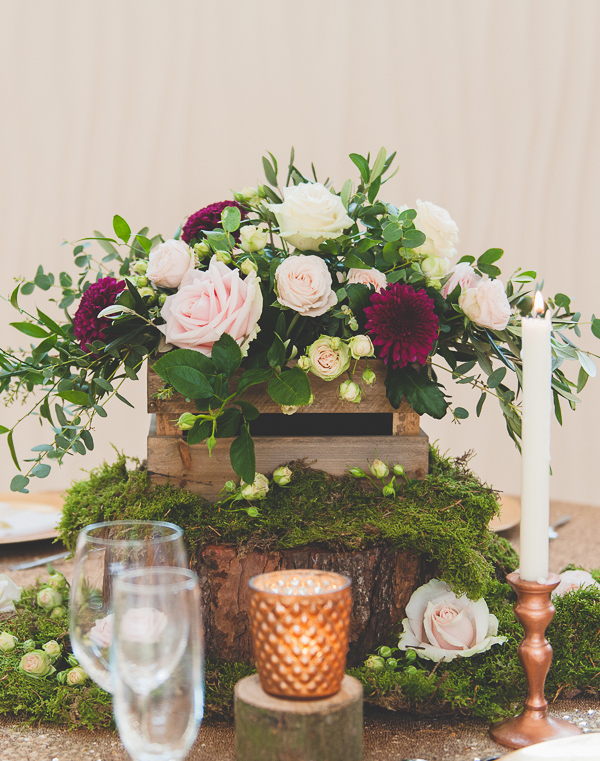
[[349, 391], [439, 227], [372, 277], [7, 642], [361, 346], [304, 285], [463, 275], [169, 262], [257, 489], [254, 237], [9, 593], [573, 580], [441, 626], [327, 362], [486, 304], [48, 598], [309, 215]]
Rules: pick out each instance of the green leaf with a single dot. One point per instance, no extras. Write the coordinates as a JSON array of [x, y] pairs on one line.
[[241, 454], [103, 384], [480, 403], [231, 218], [190, 382], [496, 378], [228, 424], [490, 256], [19, 483], [30, 329], [186, 358], [249, 411], [362, 164], [423, 394], [105, 243], [586, 363], [41, 470], [27, 288], [87, 439], [121, 228], [4, 429], [460, 413], [379, 165], [226, 355], [351, 260], [79, 398], [359, 297], [291, 387], [392, 232], [11, 446], [60, 416], [582, 379], [276, 353], [14, 297], [43, 448], [595, 327], [489, 269], [346, 193], [78, 447], [49, 323], [465, 368], [100, 410], [253, 378], [125, 401], [270, 174], [200, 432], [413, 238], [373, 190]]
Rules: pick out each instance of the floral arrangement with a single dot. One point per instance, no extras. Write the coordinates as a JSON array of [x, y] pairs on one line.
[[283, 282]]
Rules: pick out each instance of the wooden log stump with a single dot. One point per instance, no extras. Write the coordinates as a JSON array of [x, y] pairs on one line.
[[383, 579], [277, 729]]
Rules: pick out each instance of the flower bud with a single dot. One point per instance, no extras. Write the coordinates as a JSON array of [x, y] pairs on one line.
[[388, 491], [257, 489], [349, 391], [252, 512], [186, 421], [261, 191], [52, 649], [369, 377], [141, 281], [76, 676], [162, 297], [361, 346], [230, 486], [48, 598], [248, 266], [61, 677], [147, 293], [248, 195], [335, 343], [353, 323], [37, 664], [379, 469], [140, 267], [346, 309], [201, 249], [375, 662], [224, 256], [57, 581], [303, 362], [57, 613], [7, 642], [289, 409], [357, 472], [411, 655], [282, 475], [385, 651], [398, 470], [72, 661], [411, 670], [28, 645], [254, 237], [391, 663]]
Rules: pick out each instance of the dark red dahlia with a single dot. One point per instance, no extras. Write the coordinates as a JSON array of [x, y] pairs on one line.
[[401, 321], [206, 219], [88, 326]]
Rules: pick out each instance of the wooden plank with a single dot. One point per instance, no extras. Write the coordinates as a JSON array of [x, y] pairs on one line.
[[325, 392], [170, 459]]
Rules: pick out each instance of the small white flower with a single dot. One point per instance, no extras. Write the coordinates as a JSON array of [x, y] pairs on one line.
[[9, 594]]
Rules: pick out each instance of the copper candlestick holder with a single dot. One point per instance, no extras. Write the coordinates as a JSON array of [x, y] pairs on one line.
[[534, 610]]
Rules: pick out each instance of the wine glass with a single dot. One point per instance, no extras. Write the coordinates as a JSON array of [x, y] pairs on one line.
[[103, 551], [156, 660]]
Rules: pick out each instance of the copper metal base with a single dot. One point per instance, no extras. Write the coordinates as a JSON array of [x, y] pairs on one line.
[[534, 610]]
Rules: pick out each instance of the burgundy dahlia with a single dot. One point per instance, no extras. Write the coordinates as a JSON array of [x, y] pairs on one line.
[[401, 321], [88, 326], [206, 219]]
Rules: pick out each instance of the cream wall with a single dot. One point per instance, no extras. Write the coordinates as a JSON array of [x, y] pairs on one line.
[[152, 109]]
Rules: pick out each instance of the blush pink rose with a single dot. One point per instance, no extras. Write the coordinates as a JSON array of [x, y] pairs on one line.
[[486, 304], [441, 626], [101, 633], [304, 285], [210, 303], [144, 625], [463, 275], [169, 262], [371, 277], [573, 580]]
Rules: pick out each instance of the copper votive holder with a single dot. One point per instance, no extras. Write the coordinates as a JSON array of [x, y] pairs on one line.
[[534, 610], [300, 621]]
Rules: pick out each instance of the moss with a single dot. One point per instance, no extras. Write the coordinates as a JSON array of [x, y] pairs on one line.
[[444, 517]]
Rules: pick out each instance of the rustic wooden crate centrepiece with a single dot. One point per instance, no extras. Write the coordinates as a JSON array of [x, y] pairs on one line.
[[395, 436]]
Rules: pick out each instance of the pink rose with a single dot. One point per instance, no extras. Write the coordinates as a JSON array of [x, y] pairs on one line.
[[371, 277], [101, 632], [169, 262], [486, 304], [441, 626], [573, 580], [144, 625], [211, 303], [329, 357], [461, 274], [304, 285]]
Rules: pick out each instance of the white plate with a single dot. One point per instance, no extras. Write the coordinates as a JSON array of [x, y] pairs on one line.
[[510, 514], [29, 517], [566, 749]]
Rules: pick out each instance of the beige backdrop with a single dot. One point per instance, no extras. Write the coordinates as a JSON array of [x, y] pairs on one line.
[[152, 109]]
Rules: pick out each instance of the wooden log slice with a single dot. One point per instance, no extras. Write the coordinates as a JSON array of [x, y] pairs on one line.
[[383, 580], [274, 729]]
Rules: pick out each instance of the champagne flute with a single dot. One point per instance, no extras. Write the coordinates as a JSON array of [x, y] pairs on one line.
[[156, 661], [103, 551]]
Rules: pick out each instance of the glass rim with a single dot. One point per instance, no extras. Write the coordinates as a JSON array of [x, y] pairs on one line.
[[187, 579], [347, 581], [177, 532]]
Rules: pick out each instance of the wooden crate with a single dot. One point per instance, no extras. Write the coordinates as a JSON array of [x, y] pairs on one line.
[[171, 459]]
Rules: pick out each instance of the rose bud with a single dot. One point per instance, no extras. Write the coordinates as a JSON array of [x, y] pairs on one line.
[[230, 486], [369, 377], [398, 470], [254, 237], [48, 598], [141, 281], [7, 642], [186, 421], [282, 475], [252, 512], [223, 256], [385, 651], [52, 649], [375, 662], [303, 362], [59, 612], [349, 391], [57, 581], [248, 266], [61, 677], [257, 489], [391, 663], [379, 469], [76, 676], [140, 267], [36, 664], [28, 645], [72, 661], [248, 195], [289, 409], [357, 472], [201, 250], [162, 297], [361, 346], [147, 293], [388, 491]]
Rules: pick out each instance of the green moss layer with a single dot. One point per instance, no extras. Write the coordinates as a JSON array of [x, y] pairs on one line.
[[444, 517]]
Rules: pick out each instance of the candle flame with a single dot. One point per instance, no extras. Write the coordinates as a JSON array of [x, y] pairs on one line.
[[538, 304]]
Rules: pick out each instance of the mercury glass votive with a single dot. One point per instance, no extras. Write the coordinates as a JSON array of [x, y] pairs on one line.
[[300, 621]]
